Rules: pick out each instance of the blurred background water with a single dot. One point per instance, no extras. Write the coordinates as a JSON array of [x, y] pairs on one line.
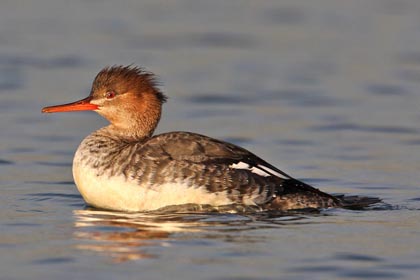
[[326, 90]]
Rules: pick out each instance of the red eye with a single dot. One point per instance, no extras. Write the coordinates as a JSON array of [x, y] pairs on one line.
[[109, 95]]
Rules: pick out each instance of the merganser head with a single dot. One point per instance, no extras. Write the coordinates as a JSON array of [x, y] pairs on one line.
[[126, 96]]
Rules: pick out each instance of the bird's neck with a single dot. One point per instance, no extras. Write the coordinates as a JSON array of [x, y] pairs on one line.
[[134, 127], [125, 134]]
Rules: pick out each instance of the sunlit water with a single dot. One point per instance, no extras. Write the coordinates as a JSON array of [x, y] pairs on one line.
[[328, 91]]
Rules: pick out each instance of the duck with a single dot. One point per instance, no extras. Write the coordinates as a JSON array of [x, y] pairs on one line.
[[125, 167]]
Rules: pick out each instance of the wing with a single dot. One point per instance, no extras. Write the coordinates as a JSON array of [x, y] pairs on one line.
[[203, 162], [220, 167], [192, 147]]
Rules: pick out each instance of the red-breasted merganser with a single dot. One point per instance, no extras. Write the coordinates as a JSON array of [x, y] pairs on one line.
[[124, 167]]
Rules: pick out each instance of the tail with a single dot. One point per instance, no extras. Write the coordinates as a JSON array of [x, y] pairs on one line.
[[355, 202]]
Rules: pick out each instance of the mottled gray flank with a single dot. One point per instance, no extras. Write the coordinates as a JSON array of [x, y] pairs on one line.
[[200, 162]]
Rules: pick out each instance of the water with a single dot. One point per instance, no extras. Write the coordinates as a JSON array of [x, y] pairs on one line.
[[328, 91]]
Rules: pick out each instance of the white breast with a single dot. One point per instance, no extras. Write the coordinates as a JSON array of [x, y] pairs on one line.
[[122, 194]]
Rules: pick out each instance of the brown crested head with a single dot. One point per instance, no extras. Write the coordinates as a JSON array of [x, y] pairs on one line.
[[127, 96]]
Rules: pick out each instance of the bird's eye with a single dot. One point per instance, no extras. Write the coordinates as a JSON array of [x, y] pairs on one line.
[[109, 95]]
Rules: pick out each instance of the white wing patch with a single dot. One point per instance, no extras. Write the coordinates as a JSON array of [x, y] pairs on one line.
[[258, 169]]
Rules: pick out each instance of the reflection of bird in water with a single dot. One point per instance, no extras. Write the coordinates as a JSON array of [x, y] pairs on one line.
[[123, 167], [132, 236], [124, 236]]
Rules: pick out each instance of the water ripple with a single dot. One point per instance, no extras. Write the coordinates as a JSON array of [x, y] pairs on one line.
[[55, 260], [6, 162], [285, 15], [347, 265], [357, 257], [11, 78], [213, 98], [67, 61], [203, 39], [50, 163], [305, 98], [222, 39], [48, 196], [365, 128], [384, 89]]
